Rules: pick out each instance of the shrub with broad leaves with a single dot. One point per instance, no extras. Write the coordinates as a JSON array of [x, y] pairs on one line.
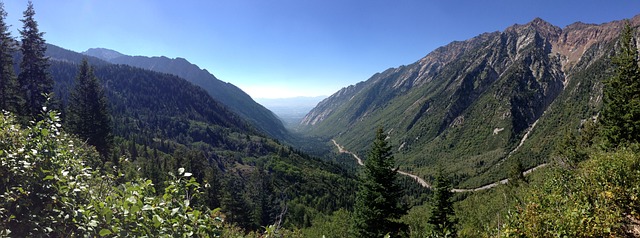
[[47, 188]]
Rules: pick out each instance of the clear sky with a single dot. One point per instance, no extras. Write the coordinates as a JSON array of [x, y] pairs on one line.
[[286, 48]]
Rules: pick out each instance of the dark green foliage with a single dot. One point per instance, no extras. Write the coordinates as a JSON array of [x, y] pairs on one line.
[[48, 190], [568, 150], [10, 99], [516, 176], [336, 225], [621, 109], [588, 133], [34, 79], [233, 204], [162, 123], [43, 177], [135, 209], [442, 216], [228, 94], [87, 113], [377, 205]]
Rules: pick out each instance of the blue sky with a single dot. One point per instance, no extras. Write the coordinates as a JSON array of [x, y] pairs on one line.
[[286, 48]]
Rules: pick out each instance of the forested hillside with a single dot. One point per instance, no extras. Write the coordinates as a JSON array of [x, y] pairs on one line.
[[228, 94], [163, 122]]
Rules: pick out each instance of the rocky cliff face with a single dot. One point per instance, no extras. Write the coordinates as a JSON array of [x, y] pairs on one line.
[[472, 102]]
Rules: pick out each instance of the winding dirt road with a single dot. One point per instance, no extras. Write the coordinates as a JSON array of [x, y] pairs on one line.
[[342, 150], [424, 183], [491, 185], [415, 177]]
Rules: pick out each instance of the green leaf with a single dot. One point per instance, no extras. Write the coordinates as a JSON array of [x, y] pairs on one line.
[[93, 223], [108, 215], [147, 207], [135, 208], [174, 211], [105, 232], [157, 220], [132, 199]]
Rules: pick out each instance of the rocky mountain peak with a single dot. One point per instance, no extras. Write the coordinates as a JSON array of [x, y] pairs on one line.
[[578, 37], [537, 25]]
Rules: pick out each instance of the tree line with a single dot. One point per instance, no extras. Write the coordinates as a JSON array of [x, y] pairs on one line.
[[32, 89]]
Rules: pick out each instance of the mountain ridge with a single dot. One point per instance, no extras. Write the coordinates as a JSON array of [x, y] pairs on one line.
[[227, 93], [472, 101]]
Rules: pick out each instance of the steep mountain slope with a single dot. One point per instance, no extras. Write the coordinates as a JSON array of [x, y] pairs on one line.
[[228, 94], [470, 106]]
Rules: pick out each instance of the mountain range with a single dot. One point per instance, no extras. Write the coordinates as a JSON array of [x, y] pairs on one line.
[[228, 94], [475, 108]]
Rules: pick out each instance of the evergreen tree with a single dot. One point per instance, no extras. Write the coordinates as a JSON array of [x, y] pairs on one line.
[[516, 173], [34, 79], [9, 89], [233, 204], [87, 115], [442, 216], [621, 104], [568, 149], [377, 201]]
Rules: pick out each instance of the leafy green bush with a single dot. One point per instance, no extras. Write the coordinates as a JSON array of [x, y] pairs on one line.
[[49, 190], [44, 178], [132, 210], [596, 200]]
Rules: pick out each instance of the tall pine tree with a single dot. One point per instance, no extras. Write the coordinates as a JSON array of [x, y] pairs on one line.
[[34, 79], [621, 104], [377, 201], [9, 88], [87, 113], [442, 214]]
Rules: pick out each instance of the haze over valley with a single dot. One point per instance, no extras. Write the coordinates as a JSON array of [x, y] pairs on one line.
[[291, 110]]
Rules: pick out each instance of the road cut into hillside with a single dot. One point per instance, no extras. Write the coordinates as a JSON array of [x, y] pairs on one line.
[[424, 183]]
